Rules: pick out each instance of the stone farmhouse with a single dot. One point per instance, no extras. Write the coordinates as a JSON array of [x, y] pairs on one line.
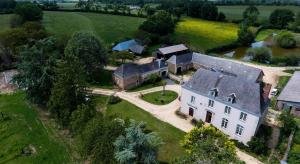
[[289, 98], [130, 75], [229, 96], [166, 52]]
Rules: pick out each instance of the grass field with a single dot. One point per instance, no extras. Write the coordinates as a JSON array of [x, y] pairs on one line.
[[4, 21], [110, 28], [236, 12], [202, 35], [24, 130], [159, 99], [170, 135]]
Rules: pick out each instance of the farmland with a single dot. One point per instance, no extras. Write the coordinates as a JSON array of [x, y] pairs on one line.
[[24, 138], [236, 12], [202, 35]]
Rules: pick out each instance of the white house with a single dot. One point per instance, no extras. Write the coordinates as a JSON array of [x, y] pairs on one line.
[[234, 104]]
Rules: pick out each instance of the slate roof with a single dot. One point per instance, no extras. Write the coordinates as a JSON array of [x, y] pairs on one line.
[[172, 49], [138, 49], [248, 94], [291, 91], [124, 46], [131, 69], [210, 62]]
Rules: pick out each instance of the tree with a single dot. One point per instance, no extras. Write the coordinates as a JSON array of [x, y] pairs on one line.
[[123, 56], [68, 89], [207, 144], [29, 11], [164, 83], [89, 50], [260, 54], [288, 121], [245, 36], [286, 40], [160, 23], [7, 5], [80, 117], [251, 14], [36, 64], [221, 17], [280, 18], [136, 146]]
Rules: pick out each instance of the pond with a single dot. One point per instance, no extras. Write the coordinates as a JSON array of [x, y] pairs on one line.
[[240, 52]]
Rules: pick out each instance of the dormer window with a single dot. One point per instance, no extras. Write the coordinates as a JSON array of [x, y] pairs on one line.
[[213, 92], [231, 98]]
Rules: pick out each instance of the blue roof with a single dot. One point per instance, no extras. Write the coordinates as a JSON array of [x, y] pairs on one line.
[[124, 46]]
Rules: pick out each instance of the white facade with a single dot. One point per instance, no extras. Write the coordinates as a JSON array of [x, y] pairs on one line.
[[197, 106]]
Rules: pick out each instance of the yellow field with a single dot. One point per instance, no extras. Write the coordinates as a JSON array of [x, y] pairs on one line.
[[201, 35]]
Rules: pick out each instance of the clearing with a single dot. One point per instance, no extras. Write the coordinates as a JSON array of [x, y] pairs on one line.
[[169, 134], [24, 138], [201, 35], [158, 98]]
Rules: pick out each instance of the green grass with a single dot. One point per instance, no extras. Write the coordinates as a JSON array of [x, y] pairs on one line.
[[170, 135], [291, 71], [145, 86], [201, 35], [105, 80], [110, 28], [262, 35], [25, 128], [4, 21], [159, 99], [236, 12]]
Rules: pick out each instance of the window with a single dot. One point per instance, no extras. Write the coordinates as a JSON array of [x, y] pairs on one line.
[[211, 103], [193, 99], [224, 123], [214, 92], [243, 116], [227, 109], [239, 130], [231, 98]]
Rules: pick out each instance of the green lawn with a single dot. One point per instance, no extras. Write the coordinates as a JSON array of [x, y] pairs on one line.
[[110, 28], [291, 71], [4, 21], [236, 12], [159, 99], [262, 35], [283, 80], [201, 35], [24, 128], [170, 135]]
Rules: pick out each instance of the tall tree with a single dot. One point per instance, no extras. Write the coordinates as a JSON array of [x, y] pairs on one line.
[[68, 89], [245, 36], [36, 64], [251, 14], [207, 144], [280, 18], [89, 50], [136, 146], [160, 23], [29, 11]]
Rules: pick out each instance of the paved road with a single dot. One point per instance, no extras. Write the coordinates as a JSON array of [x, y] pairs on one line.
[[165, 113]]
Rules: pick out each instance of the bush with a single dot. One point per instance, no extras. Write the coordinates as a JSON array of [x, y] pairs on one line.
[[258, 145], [197, 123], [294, 156], [180, 114], [286, 40], [114, 100], [261, 54], [288, 60], [154, 78]]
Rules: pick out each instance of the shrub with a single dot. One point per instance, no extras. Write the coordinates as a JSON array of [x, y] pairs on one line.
[[288, 60], [258, 145], [154, 78], [286, 40], [294, 156], [180, 114], [197, 123], [261, 54], [114, 100]]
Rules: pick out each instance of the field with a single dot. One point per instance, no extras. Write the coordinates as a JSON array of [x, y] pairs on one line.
[[110, 28], [202, 35], [236, 12], [170, 135], [24, 132]]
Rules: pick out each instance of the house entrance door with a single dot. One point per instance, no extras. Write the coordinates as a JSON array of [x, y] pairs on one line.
[[208, 117], [191, 112]]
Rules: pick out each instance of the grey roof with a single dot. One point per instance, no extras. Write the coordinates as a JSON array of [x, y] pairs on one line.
[[210, 62], [291, 91], [181, 59], [138, 49], [131, 69], [248, 94], [172, 49]]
